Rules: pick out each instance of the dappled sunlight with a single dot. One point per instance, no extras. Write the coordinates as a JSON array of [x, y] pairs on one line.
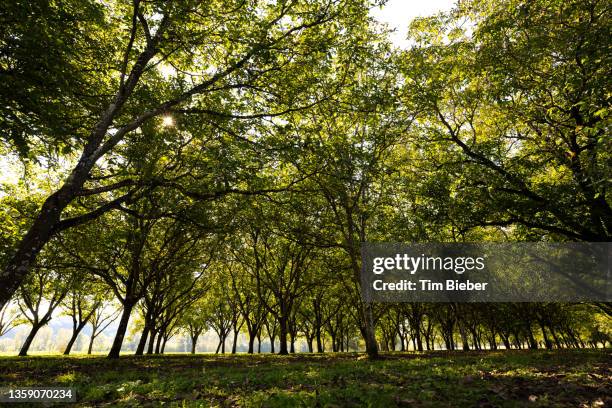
[[462, 379]]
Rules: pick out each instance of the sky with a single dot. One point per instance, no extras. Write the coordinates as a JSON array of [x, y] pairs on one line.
[[398, 14]]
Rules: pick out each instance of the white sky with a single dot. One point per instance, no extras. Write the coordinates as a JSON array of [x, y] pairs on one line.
[[398, 14], [8, 170]]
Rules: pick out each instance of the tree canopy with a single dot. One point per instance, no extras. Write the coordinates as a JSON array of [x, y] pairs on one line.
[[218, 164]]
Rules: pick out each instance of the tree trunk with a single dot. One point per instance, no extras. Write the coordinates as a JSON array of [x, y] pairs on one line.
[[121, 330], [533, 344], [292, 343], [555, 337], [493, 342], [30, 246], [75, 335], [143, 341], [476, 341], [427, 340], [547, 342], [272, 344], [251, 342], [152, 338], [235, 342], [159, 341], [319, 341], [419, 340], [447, 342], [506, 341], [370, 336], [194, 342], [283, 336], [91, 342], [464, 340], [28, 341], [218, 346]]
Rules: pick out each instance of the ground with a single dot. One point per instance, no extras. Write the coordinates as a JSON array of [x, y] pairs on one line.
[[576, 378]]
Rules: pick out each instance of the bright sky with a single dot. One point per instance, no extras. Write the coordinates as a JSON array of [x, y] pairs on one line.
[[8, 171], [398, 14]]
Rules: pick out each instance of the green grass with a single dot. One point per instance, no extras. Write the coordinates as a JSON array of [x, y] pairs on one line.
[[487, 379]]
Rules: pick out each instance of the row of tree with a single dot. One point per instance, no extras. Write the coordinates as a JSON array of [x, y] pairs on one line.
[[323, 320], [219, 164]]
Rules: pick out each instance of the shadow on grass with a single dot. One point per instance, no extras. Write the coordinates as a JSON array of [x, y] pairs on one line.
[[506, 378]]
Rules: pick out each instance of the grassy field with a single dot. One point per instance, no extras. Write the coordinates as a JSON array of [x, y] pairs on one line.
[[460, 379]]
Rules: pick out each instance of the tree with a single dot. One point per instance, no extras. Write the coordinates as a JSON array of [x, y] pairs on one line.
[[119, 259], [516, 110], [41, 43], [177, 261], [38, 297], [195, 321], [265, 54], [84, 297], [220, 314], [221, 164], [244, 293], [280, 271], [100, 319], [125, 274], [317, 309]]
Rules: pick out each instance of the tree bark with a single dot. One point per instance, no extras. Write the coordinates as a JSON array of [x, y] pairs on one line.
[[159, 341], [234, 343], [283, 336], [143, 341], [419, 341], [533, 344], [251, 342], [272, 337], [319, 340], [121, 330], [75, 335], [194, 342], [39, 233], [28, 341], [152, 338], [464, 339], [91, 342], [370, 337]]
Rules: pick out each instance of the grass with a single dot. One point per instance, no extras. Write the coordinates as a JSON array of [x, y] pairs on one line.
[[576, 378]]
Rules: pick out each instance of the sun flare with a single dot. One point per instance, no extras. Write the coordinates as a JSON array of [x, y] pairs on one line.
[[167, 121]]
